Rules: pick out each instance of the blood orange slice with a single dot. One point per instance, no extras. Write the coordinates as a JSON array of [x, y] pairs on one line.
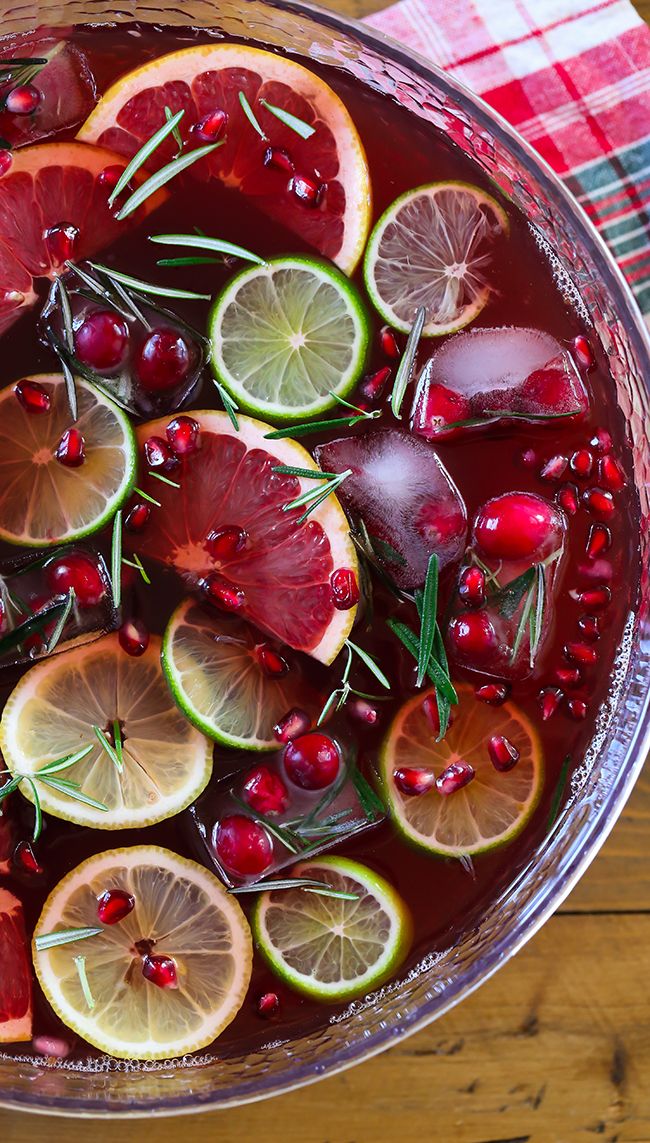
[[53, 206], [16, 980], [274, 568], [208, 79]]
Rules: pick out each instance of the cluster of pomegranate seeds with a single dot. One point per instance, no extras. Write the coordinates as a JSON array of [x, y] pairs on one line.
[[211, 127], [23, 100], [101, 341], [455, 777], [225, 543], [271, 663], [344, 589], [222, 593], [134, 637], [162, 361], [160, 970], [113, 905], [268, 1004], [184, 435], [503, 753], [242, 845], [71, 449], [293, 724], [312, 761], [33, 397], [79, 573], [414, 780], [265, 792], [138, 517]]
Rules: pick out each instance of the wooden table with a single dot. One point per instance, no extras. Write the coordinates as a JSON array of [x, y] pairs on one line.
[[554, 1049]]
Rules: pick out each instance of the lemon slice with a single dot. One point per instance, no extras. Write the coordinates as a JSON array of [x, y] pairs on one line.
[[43, 502], [53, 712], [180, 912]]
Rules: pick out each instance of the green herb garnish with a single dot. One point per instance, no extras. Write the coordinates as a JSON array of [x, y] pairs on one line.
[[319, 426], [141, 156], [559, 791], [427, 608], [250, 115], [307, 473], [64, 763], [307, 883], [490, 415], [231, 407], [34, 624], [314, 497], [201, 242], [369, 662], [405, 367], [137, 564], [108, 748], [305, 130], [164, 479], [146, 496], [68, 334], [61, 622], [80, 965], [146, 287], [116, 559], [178, 138], [369, 800], [117, 739], [63, 937]]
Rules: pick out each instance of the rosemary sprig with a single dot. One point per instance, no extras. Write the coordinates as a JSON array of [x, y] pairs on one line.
[[117, 739], [116, 559], [314, 497], [369, 662], [231, 407], [46, 776], [137, 564], [38, 812], [202, 242], [63, 763], [309, 884], [108, 749], [307, 473], [74, 791], [196, 261], [147, 287], [319, 426], [141, 156], [428, 617], [405, 367], [178, 138], [33, 625], [147, 497], [250, 115], [559, 791], [63, 937], [61, 622], [287, 837], [490, 415], [305, 130], [68, 334], [164, 479], [537, 616], [80, 965], [369, 800]]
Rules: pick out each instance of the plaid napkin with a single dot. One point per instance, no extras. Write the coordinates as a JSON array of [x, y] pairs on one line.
[[573, 76]]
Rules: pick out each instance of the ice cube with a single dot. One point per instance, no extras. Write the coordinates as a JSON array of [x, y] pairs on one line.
[[66, 86], [487, 374], [404, 496], [502, 612]]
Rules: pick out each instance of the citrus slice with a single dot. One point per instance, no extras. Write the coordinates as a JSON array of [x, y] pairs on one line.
[[53, 206], [286, 335], [43, 502], [180, 913], [16, 981], [216, 670], [54, 711], [431, 248], [280, 571], [206, 80], [328, 948], [491, 809]]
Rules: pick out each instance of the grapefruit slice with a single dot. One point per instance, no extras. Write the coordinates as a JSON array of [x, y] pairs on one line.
[[42, 189], [16, 979], [206, 79], [282, 568]]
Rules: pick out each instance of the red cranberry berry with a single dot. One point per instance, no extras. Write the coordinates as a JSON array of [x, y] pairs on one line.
[[226, 543], [101, 341], [294, 723], [580, 653], [595, 598], [307, 190], [344, 589], [610, 474], [568, 677], [583, 352], [554, 468], [222, 593], [138, 517], [268, 1004], [589, 628], [211, 127], [577, 709], [279, 159], [599, 502], [160, 970], [82, 574], [242, 845], [515, 526], [134, 637], [23, 100], [582, 463], [494, 694], [455, 777], [264, 791], [599, 541], [363, 711], [549, 700], [567, 498], [163, 360], [601, 442], [503, 753], [60, 242], [472, 636], [26, 860], [312, 761], [471, 586], [388, 342], [32, 396], [71, 449], [272, 664], [113, 905], [184, 435], [414, 781], [158, 454], [372, 387]]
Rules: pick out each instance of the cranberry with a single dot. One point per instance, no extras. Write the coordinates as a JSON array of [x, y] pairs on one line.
[[307, 190], [599, 541], [113, 905], [110, 176], [549, 700], [601, 442], [471, 587], [361, 710], [568, 677], [599, 502], [582, 463], [223, 594], [494, 694], [32, 396], [414, 781], [60, 242], [101, 341], [294, 723], [225, 543], [503, 753], [610, 474], [473, 636], [264, 791], [580, 653], [567, 498], [163, 361], [554, 468], [242, 845], [158, 454], [23, 100], [134, 637], [211, 127], [268, 1004], [71, 449], [388, 342], [344, 589], [26, 860], [589, 628], [79, 573], [577, 709], [184, 435], [515, 526], [137, 517], [454, 777], [583, 352], [271, 663], [279, 159], [595, 598], [372, 387], [160, 970], [442, 406], [312, 761]]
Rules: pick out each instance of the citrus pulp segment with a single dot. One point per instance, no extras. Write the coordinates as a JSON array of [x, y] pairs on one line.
[[431, 248], [331, 948], [181, 911], [491, 809], [16, 981], [286, 335], [53, 712], [43, 502], [284, 566], [209, 78]]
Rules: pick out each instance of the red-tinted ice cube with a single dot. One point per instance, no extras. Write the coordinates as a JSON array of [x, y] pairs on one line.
[[65, 86], [405, 497]]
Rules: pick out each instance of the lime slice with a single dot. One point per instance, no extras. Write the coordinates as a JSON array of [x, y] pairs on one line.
[[43, 502], [328, 948], [286, 335], [431, 248], [181, 912], [53, 712], [218, 679], [488, 812]]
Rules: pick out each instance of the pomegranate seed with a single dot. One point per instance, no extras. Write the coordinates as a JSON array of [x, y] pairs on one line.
[[279, 159], [580, 653], [113, 905], [162, 361], [567, 498], [242, 845], [583, 352], [268, 1004], [494, 694], [101, 341], [599, 540], [211, 127], [554, 468], [134, 637], [23, 100], [372, 387], [514, 526], [413, 781], [71, 450], [344, 589], [6, 159], [471, 587], [582, 463], [589, 628], [595, 598], [26, 860], [610, 474], [568, 677], [473, 636], [82, 574], [225, 543], [599, 502], [271, 663], [361, 710], [503, 753], [60, 242], [138, 517], [184, 435], [32, 396], [307, 190], [577, 708], [222, 593], [312, 761], [160, 970], [388, 342], [51, 1046], [110, 176], [158, 454], [601, 442], [549, 700], [528, 458], [294, 723], [455, 777], [265, 792]]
